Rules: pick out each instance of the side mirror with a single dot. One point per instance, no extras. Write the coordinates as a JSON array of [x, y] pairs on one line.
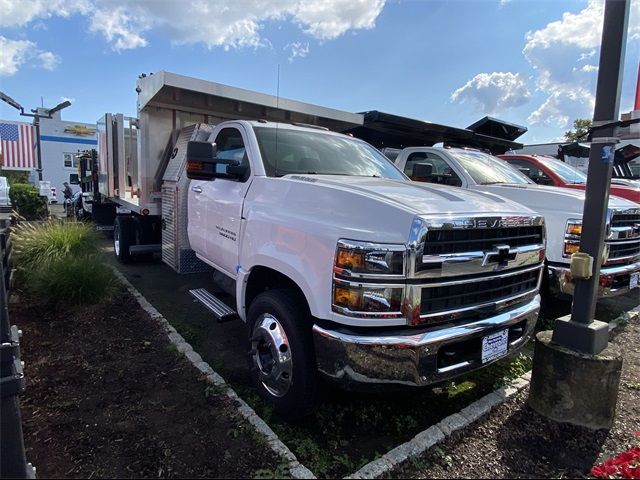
[[73, 179], [201, 164]]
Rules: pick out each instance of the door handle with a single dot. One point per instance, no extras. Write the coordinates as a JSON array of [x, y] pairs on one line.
[[196, 189]]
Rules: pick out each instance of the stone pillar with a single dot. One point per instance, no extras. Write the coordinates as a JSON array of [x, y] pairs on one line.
[[572, 387]]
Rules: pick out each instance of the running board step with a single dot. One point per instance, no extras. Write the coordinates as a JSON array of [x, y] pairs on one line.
[[219, 309]]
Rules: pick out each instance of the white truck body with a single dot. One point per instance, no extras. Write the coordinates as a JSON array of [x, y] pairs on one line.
[[559, 206], [355, 272]]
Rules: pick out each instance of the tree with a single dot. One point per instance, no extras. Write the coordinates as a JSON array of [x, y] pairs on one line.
[[580, 128]]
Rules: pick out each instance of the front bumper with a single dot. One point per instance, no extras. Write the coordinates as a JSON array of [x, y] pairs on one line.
[[416, 357], [614, 280]]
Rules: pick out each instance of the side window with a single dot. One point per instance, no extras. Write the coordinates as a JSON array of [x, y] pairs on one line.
[[230, 146], [429, 167], [70, 160], [532, 171]]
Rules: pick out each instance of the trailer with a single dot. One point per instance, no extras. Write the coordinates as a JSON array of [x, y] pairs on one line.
[[141, 181]]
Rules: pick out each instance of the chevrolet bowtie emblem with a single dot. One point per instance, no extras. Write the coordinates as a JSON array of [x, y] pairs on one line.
[[499, 255]]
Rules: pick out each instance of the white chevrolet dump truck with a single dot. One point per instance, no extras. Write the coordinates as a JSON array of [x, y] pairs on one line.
[[561, 207], [341, 267]]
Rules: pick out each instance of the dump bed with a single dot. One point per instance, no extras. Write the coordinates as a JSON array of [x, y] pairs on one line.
[[134, 152]]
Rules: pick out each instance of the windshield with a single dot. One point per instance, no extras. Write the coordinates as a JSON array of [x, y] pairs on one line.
[[305, 152], [567, 173], [486, 169]]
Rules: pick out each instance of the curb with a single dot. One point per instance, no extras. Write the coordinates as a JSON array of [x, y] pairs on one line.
[[296, 469], [438, 432]]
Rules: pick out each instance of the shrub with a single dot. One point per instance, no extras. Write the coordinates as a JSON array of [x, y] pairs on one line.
[[14, 176], [40, 244], [72, 281], [26, 200]]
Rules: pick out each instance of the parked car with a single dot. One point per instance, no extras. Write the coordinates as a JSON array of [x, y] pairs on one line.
[[561, 207], [551, 171], [4, 192]]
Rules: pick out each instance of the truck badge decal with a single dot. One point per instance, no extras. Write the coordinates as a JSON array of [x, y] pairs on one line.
[[501, 254], [223, 232]]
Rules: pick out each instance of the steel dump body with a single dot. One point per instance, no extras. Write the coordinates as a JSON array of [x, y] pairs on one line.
[[134, 153]]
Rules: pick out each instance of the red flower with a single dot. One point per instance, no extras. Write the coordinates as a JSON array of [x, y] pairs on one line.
[[623, 465]]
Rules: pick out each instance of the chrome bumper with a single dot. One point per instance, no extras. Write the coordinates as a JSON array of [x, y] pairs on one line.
[[614, 280], [416, 357]]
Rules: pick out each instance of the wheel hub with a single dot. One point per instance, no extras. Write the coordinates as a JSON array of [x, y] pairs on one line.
[[271, 355]]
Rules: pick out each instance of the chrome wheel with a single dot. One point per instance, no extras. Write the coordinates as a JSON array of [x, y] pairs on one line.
[[271, 355]]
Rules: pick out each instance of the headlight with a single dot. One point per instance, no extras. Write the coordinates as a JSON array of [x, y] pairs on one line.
[[366, 299], [364, 259], [369, 279], [572, 237]]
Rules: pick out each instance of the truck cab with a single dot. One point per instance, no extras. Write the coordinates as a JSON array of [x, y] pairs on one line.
[[561, 207]]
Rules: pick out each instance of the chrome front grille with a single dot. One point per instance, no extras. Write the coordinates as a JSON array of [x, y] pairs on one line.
[[442, 297], [623, 241], [465, 267], [439, 242]]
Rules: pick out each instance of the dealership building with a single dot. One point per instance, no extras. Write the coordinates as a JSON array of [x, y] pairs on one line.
[[60, 141]]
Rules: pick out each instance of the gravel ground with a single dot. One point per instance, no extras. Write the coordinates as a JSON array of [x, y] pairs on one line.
[[515, 442], [109, 397]]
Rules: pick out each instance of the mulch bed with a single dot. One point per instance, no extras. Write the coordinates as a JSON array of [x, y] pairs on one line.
[[108, 396], [514, 441]]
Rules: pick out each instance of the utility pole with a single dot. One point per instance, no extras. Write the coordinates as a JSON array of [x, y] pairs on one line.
[[36, 121], [581, 333]]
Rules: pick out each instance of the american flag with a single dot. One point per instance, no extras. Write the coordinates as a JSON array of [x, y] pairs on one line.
[[17, 146]]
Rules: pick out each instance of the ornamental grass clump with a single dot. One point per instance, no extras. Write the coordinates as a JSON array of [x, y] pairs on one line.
[[73, 281], [58, 262], [37, 244]]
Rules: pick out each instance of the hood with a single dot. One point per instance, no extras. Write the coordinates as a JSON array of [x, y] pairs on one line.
[[416, 197], [549, 200]]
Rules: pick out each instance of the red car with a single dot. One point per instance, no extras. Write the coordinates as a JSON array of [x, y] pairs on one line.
[[550, 171]]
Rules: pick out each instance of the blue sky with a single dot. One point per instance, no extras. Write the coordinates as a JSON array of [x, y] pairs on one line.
[[528, 62]]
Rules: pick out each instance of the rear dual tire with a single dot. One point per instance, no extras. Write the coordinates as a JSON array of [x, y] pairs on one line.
[[124, 236]]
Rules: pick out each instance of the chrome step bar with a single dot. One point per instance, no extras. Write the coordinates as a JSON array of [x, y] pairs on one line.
[[219, 309]]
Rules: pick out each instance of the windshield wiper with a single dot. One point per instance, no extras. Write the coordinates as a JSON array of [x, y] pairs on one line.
[[492, 183]]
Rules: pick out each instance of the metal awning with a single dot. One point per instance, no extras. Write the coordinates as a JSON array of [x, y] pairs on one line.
[[384, 130], [492, 127]]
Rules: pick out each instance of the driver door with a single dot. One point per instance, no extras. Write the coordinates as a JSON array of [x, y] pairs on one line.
[[223, 199]]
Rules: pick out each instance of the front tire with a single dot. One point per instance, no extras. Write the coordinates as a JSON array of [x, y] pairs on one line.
[[124, 235], [282, 353]]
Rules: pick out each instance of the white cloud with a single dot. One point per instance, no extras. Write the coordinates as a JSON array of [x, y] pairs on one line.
[[558, 54], [48, 60], [297, 50], [329, 19], [224, 23], [13, 53], [120, 27], [494, 92], [16, 13]]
